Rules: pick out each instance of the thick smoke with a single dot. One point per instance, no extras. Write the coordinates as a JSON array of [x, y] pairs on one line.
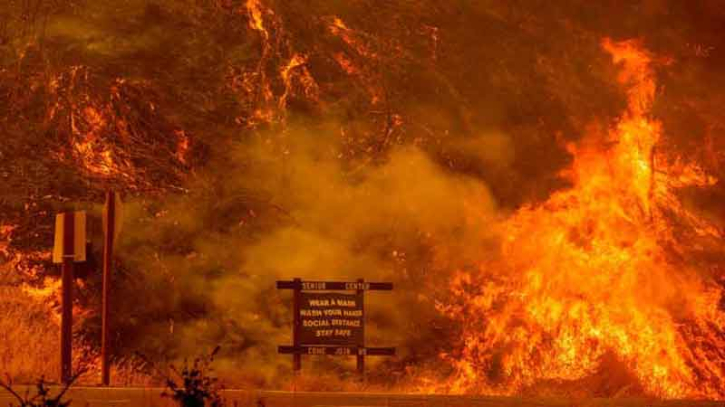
[[205, 280]]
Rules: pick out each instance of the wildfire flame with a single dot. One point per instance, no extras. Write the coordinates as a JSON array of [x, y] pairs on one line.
[[296, 68], [256, 21], [588, 273], [356, 46], [258, 84], [5, 231]]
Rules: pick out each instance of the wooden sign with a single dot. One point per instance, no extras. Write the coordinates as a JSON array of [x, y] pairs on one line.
[[336, 350], [78, 230], [333, 286], [331, 319], [330, 323]]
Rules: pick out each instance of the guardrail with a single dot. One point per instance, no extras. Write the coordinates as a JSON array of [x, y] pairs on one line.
[[151, 397]]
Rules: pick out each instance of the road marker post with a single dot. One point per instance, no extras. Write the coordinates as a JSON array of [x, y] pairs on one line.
[[111, 229], [69, 248]]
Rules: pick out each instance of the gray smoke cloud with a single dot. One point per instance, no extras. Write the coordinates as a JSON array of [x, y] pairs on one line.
[[401, 220]]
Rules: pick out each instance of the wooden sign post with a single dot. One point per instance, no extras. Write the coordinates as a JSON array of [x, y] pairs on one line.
[[111, 229], [328, 321], [361, 342], [70, 247]]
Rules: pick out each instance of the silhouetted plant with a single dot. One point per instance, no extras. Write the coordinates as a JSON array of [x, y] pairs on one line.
[[195, 385], [41, 397]]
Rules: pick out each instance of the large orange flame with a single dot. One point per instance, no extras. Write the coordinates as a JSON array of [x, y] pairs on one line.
[[588, 274]]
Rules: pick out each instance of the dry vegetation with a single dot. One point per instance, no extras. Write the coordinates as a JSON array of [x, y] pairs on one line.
[[257, 140], [29, 337]]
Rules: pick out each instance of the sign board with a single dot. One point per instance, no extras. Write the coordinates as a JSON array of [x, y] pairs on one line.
[[336, 350], [117, 216], [79, 237], [330, 323], [331, 319], [334, 285]]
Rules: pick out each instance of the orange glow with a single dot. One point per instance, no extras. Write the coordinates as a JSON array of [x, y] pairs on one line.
[[182, 146], [346, 64], [358, 47], [5, 231], [350, 37], [256, 21], [95, 160], [92, 124], [48, 292], [258, 84], [296, 68], [588, 273]]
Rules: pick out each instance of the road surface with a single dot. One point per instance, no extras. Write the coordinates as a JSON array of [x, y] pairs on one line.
[[150, 397]]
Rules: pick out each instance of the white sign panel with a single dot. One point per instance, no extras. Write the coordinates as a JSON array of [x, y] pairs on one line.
[[79, 237]]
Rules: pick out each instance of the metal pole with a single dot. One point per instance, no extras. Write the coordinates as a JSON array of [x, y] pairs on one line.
[[66, 324], [107, 260], [297, 358], [361, 346]]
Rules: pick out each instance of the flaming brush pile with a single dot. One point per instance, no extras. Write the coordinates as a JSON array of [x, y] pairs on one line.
[[601, 267], [541, 182]]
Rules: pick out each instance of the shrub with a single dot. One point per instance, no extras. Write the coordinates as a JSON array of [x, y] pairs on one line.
[[195, 385], [42, 397]]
